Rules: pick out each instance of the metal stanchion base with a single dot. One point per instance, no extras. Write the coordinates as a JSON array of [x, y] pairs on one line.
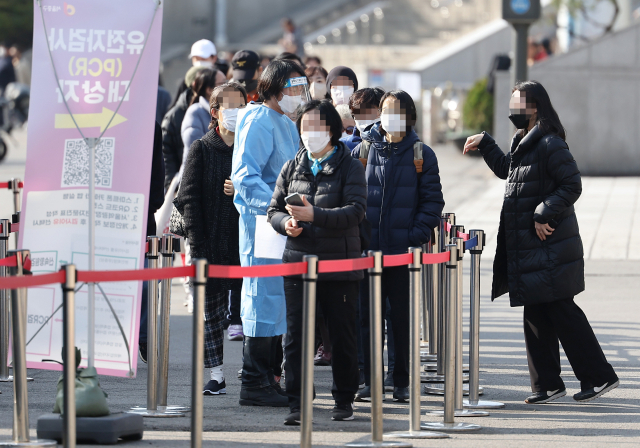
[[482, 404], [156, 414], [9, 379], [450, 427], [386, 443], [463, 413], [171, 408], [32, 443], [433, 367], [426, 357], [438, 389], [416, 435], [105, 430], [430, 377]]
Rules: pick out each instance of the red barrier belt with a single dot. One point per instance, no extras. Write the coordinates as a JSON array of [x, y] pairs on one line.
[[12, 262], [135, 275], [390, 261], [268, 270], [15, 227], [464, 236], [352, 264], [6, 185], [447, 226], [146, 247], [29, 281], [436, 258]]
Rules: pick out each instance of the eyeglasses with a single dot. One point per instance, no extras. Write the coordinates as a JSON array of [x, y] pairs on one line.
[[348, 130]]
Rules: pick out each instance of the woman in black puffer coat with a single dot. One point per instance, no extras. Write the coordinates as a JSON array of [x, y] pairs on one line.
[[335, 201], [539, 258]]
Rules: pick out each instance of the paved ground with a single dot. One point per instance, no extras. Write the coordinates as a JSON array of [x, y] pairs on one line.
[[610, 301]]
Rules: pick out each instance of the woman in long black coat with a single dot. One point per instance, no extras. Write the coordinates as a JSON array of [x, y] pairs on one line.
[[539, 259]]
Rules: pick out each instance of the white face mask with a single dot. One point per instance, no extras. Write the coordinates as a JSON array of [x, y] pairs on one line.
[[318, 90], [394, 124], [341, 94], [315, 141], [364, 124], [203, 64], [229, 119], [289, 104]]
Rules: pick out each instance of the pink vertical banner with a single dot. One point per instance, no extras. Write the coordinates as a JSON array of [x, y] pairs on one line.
[[101, 58]]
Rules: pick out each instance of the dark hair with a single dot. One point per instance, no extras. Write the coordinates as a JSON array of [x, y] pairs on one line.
[[368, 97], [274, 77], [548, 120], [406, 103], [216, 97], [316, 70], [313, 58], [286, 56], [328, 113], [205, 79]]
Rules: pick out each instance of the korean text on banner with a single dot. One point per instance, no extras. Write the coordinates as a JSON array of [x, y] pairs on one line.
[[95, 48]]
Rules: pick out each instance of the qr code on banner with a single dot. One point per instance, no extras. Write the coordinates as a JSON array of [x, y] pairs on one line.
[[75, 168]]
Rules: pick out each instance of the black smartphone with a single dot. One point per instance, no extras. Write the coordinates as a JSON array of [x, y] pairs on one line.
[[294, 199]]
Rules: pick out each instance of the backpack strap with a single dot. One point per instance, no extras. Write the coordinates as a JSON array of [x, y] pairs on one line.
[[363, 155], [417, 156]]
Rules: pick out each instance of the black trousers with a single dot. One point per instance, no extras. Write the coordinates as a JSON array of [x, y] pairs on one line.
[[259, 358], [338, 301], [234, 307], [395, 287], [563, 320]]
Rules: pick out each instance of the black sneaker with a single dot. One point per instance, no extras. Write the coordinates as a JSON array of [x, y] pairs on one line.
[[215, 388], [279, 389], [388, 382], [142, 351], [342, 412], [546, 396], [595, 392], [401, 394], [360, 379], [293, 419], [364, 394], [266, 396]]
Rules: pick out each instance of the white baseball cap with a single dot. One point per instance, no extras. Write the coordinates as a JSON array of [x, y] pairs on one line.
[[203, 48]]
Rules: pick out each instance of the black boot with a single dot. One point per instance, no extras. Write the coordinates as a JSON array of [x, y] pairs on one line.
[[266, 396]]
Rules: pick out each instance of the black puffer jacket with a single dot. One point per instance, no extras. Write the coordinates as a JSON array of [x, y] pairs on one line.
[[172, 146], [535, 271], [340, 202]]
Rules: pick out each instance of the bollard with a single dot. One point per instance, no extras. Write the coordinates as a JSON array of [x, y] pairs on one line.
[[308, 349], [451, 289], [163, 332], [415, 278], [69, 356], [375, 323], [199, 283], [474, 401], [152, 342], [19, 334], [447, 218], [4, 306]]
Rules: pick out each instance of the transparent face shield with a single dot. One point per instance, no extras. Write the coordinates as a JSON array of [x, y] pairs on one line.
[[294, 93]]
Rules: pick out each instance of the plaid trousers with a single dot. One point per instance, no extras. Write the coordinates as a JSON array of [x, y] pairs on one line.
[[215, 309]]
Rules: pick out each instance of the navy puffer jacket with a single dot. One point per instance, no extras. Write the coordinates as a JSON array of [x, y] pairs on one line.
[[402, 206]]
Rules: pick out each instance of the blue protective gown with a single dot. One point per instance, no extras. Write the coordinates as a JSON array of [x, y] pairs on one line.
[[264, 141]]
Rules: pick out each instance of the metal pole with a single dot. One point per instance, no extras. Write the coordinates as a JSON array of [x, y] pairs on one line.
[[91, 320], [308, 342], [199, 283], [16, 189], [519, 71], [165, 313], [424, 300], [152, 340], [447, 218], [375, 324], [69, 358], [19, 351], [474, 401], [451, 287], [4, 306], [221, 23], [415, 279], [432, 304]]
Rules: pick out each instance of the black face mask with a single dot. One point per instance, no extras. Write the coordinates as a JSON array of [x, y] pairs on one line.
[[520, 121]]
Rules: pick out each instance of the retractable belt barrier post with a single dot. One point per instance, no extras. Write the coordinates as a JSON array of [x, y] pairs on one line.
[[424, 307], [15, 185], [308, 342], [431, 281], [163, 333], [4, 306], [451, 287], [199, 281], [69, 356], [415, 279], [474, 401], [375, 324], [19, 335], [152, 340]]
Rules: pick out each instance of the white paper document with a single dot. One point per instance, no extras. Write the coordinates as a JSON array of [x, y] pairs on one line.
[[269, 243]]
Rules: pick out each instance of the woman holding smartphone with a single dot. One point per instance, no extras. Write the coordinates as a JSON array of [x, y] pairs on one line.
[[333, 190]]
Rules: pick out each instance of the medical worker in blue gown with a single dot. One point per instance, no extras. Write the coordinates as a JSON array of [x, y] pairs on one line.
[[265, 139]]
